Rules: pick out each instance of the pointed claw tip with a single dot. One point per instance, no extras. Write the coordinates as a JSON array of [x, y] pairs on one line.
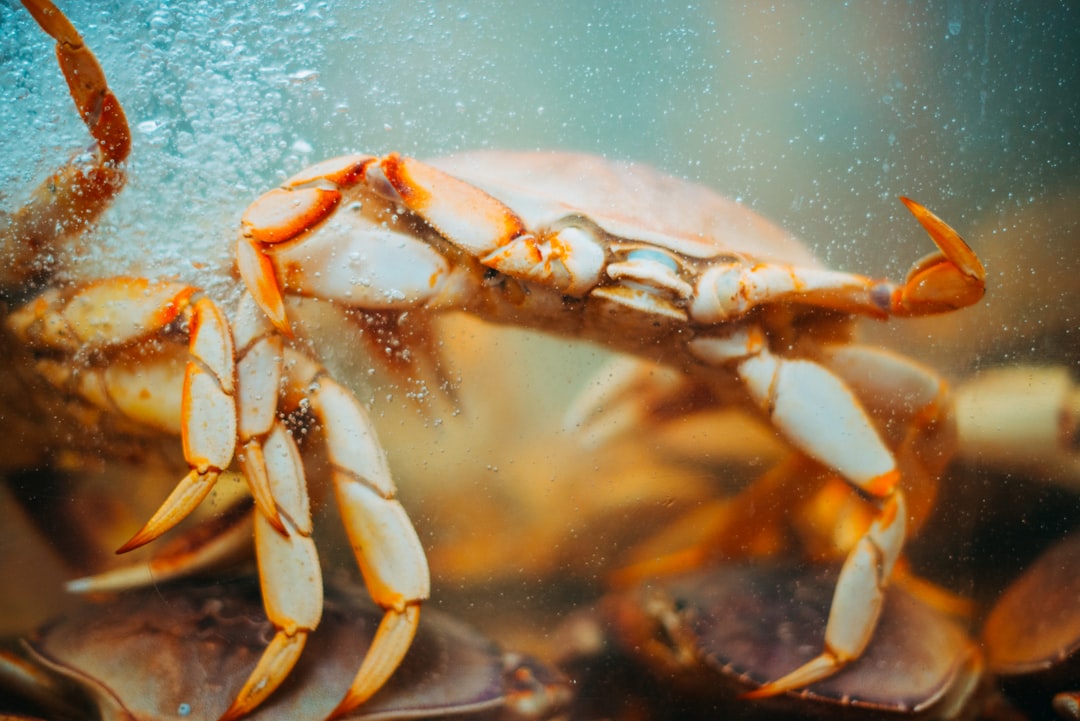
[[759, 693], [143, 537], [952, 246], [347, 705], [234, 712]]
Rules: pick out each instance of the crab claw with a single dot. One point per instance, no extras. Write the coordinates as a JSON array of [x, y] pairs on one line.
[[74, 196], [283, 214], [949, 279]]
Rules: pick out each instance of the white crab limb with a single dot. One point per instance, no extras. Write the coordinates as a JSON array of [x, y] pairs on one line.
[[818, 414], [857, 601], [208, 420], [289, 573], [1025, 418], [728, 290], [384, 541], [258, 374], [371, 268]]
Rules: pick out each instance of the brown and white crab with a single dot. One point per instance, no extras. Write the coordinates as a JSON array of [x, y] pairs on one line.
[[611, 253], [181, 651]]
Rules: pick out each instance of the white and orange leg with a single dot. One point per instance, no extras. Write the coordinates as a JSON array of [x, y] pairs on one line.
[[819, 415], [383, 539], [108, 318], [289, 572]]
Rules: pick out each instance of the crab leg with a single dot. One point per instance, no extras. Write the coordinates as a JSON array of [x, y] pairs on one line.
[[1024, 419], [223, 539], [819, 415], [208, 420], [384, 541], [288, 573], [949, 279], [73, 197], [123, 311]]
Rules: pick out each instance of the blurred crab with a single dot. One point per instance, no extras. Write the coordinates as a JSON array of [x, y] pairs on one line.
[[183, 651], [616, 254], [689, 646], [1032, 634]]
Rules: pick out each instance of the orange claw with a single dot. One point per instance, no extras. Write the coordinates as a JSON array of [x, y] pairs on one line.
[[97, 105], [75, 195], [943, 281]]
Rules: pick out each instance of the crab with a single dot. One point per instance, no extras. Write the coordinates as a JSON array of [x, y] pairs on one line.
[[610, 253], [688, 645], [92, 661], [1032, 633]]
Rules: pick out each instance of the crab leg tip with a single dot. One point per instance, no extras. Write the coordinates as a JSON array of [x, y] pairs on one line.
[[947, 239], [188, 494], [277, 661], [813, 670], [392, 640], [144, 536]]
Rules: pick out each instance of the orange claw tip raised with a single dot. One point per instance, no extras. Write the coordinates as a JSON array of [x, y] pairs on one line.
[[947, 239]]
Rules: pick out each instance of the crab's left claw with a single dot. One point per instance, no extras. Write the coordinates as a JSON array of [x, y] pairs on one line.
[[284, 214], [949, 279]]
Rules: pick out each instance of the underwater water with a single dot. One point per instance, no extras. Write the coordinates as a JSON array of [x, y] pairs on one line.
[[815, 116]]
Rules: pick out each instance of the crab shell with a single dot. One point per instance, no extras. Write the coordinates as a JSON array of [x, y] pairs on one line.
[[184, 651], [1032, 634], [693, 644]]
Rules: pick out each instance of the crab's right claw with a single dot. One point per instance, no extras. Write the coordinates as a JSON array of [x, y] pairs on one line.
[[943, 281]]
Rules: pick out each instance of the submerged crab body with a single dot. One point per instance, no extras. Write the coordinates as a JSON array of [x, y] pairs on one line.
[[572, 245], [182, 650]]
